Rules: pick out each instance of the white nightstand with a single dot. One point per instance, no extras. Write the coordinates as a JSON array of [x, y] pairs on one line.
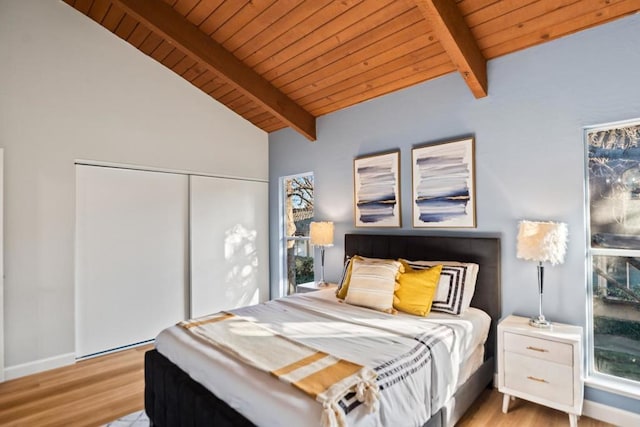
[[313, 286], [541, 365]]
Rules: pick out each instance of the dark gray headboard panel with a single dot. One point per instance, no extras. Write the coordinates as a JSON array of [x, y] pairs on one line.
[[484, 251]]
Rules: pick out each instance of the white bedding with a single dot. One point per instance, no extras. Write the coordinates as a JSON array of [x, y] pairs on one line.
[[342, 330]]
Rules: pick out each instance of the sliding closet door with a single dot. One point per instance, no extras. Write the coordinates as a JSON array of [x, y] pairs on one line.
[[229, 244], [131, 255]]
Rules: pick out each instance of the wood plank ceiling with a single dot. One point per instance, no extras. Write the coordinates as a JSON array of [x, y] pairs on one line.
[[282, 63]]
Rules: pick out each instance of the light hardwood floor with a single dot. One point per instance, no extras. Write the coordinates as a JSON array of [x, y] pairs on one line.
[[99, 390]]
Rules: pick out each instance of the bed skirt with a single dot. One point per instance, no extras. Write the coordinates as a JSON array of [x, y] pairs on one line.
[[173, 399]]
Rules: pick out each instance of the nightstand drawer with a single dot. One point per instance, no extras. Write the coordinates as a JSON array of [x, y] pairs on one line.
[[547, 380], [539, 348]]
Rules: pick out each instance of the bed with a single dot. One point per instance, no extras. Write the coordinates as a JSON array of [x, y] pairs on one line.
[[173, 398]]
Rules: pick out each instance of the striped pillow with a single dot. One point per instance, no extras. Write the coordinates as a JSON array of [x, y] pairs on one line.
[[372, 283], [456, 285]]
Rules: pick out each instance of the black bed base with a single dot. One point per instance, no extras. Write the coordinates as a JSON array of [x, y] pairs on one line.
[[173, 399]]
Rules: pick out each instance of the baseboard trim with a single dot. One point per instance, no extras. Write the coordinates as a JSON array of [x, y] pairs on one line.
[[24, 369], [609, 414]]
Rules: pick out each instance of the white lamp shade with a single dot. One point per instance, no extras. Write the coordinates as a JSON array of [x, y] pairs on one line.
[[321, 233], [542, 241]]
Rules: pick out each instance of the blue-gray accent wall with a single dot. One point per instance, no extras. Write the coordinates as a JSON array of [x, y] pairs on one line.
[[529, 154]]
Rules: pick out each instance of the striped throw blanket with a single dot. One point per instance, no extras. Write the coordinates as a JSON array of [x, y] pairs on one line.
[[324, 377]]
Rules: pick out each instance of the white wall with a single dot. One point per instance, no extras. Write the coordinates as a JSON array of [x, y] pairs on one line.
[[69, 90]]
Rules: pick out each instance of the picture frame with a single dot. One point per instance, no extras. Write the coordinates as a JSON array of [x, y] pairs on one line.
[[376, 190], [443, 178]]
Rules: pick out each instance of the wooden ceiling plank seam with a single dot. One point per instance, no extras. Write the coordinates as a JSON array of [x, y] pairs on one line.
[[202, 11], [195, 71], [455, 36], [470, 6], [173, 58], [249, 110], [541, 23], [422, 55], [184, 7], [83, 5], [164, 20], [270, 16], [163, 50], [240, 22], [391, 47], [211, 23], [223, 90], [213, 83], [151, 43], [203, 78], [410, 80], [139, 35], [112, 18], [380, 27], [302, 31], [242, 102], [183, 65], [257, 115], [324, 38], [272, 124], [99, 10], [391, 82], [126, 27], [519, 17], [279, 28], [231, 96], [571, 26], [495, 11], [222, 14]]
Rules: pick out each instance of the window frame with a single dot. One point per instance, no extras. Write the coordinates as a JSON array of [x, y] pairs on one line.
[[593, 377], [283, 239]]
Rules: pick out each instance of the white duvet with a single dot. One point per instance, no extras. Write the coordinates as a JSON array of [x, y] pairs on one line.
[[418, 360]]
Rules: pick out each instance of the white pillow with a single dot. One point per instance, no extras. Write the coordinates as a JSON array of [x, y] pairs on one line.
[[456, 286], [372, 283]]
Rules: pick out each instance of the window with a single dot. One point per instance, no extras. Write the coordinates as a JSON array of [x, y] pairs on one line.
[[613, 202], [297, 214]]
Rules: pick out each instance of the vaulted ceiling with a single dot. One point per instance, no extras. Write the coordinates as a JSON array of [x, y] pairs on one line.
[[282, 63]]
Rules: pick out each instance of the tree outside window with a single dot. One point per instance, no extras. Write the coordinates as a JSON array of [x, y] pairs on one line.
[[298, 214], [614, 250]]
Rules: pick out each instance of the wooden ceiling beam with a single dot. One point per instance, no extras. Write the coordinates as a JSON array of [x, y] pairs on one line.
[[168, 23], [455, 36]]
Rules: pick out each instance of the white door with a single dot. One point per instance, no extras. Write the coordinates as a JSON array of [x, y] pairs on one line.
[[131, 256], [229, 244]]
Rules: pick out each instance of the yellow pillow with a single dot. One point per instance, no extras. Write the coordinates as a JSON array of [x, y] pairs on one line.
[[417, 289], [344, 286]]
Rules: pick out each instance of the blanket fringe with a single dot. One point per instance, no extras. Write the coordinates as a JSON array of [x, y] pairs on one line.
[[368, 393], [332, 416]]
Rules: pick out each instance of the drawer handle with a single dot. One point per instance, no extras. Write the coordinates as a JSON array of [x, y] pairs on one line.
[[540, 380], [541, 350]]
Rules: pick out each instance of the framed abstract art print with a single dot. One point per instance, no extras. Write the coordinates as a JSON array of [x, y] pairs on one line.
[[376, 180], [443, 184]]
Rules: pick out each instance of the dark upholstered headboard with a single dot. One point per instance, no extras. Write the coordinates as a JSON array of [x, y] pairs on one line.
[[484, 251]]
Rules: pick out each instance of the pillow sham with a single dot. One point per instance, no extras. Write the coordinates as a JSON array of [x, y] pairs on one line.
[[416, 290], [373, 283], [455, 287]]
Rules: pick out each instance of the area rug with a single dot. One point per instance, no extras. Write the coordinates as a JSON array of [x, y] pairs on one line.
[[137, 419]]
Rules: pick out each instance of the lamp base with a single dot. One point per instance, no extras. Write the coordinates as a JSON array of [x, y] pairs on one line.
[[539, 322]]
